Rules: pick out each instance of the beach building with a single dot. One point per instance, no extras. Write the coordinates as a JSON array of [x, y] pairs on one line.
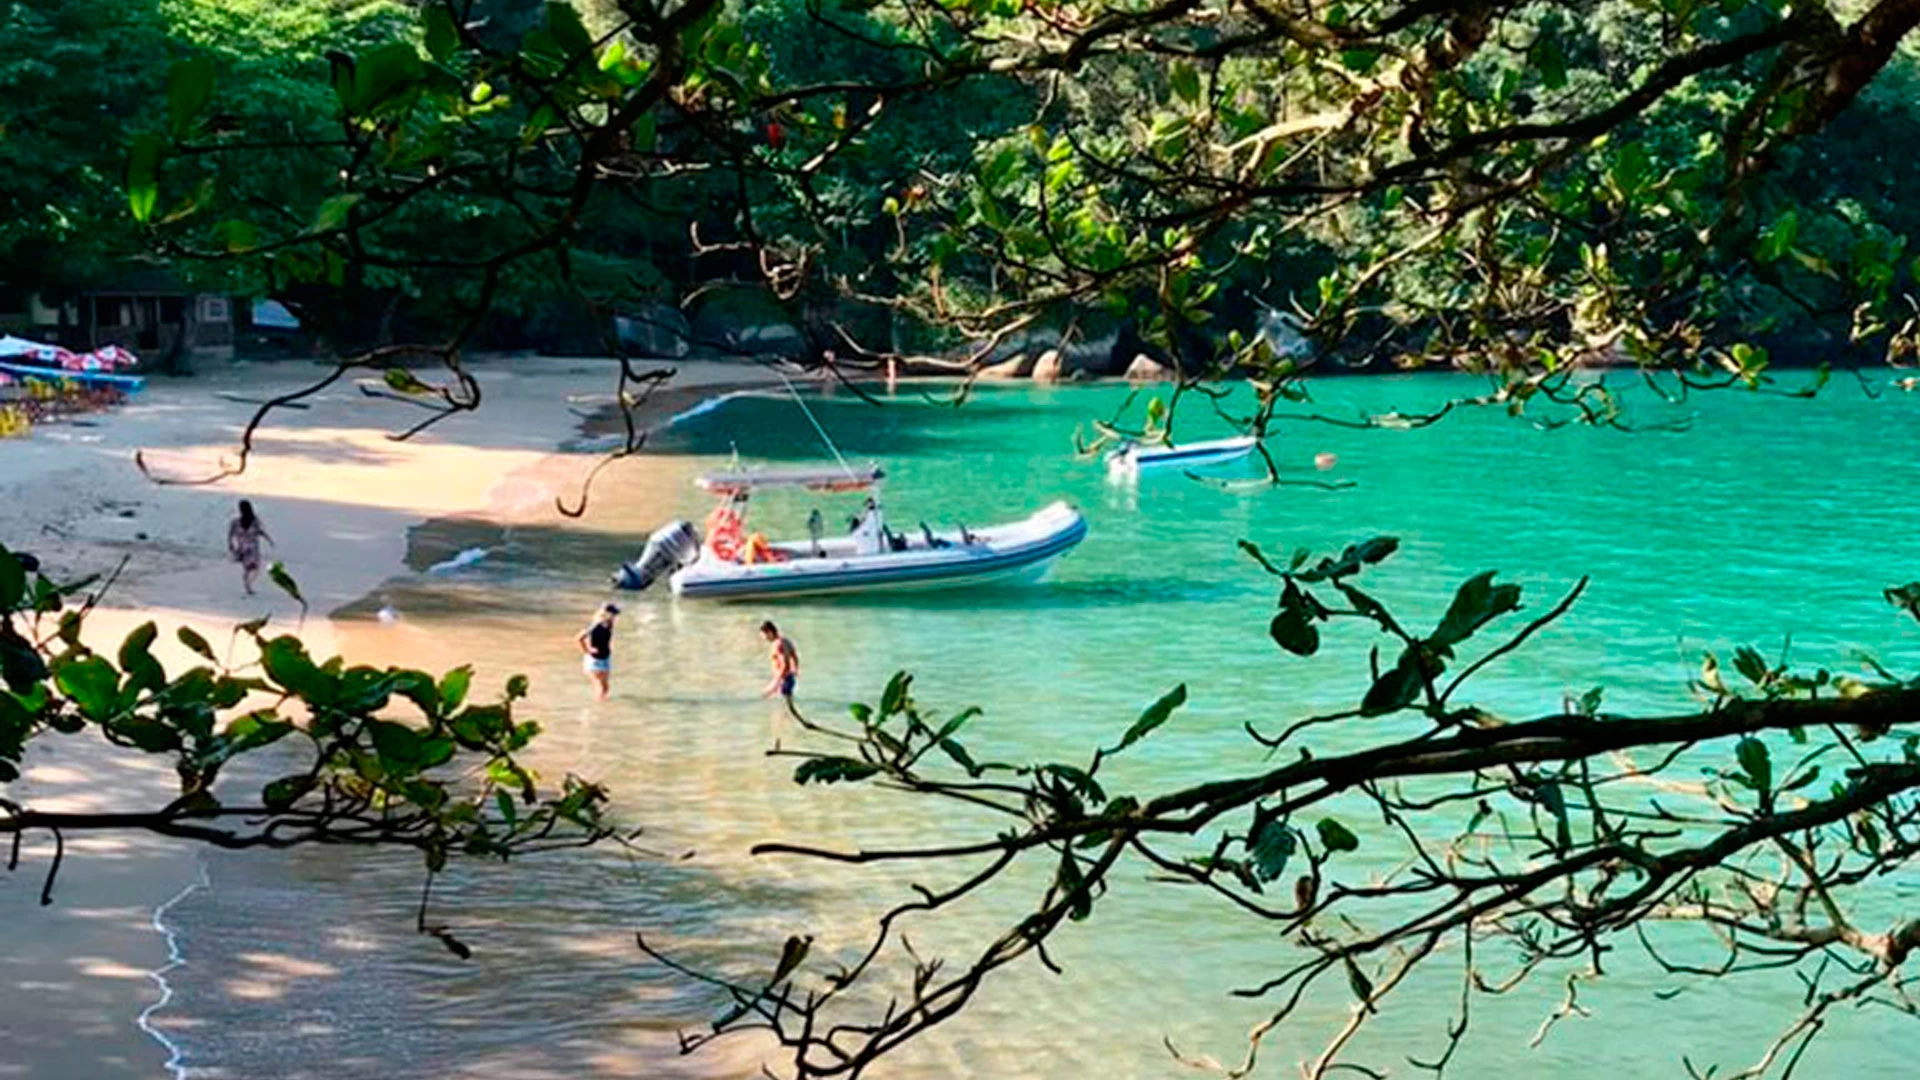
[[148, 311]]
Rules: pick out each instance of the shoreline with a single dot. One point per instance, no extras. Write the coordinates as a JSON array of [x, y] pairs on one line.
[[344, 504]]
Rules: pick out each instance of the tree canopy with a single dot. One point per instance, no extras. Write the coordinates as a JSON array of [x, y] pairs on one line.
[[1683, 188]]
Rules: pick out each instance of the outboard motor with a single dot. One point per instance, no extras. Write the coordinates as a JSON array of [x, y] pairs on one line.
[[672, 546]]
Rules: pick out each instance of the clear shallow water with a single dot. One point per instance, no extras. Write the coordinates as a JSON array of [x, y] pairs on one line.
[[1767, 518]]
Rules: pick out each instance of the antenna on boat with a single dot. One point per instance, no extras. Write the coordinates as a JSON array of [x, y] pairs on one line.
[[824, 437]]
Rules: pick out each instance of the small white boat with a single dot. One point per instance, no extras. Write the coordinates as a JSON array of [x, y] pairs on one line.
[[730, 563], [1130, 459]]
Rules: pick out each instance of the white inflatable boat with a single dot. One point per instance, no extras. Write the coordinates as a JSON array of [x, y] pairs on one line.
[[1130, 459], [728, 562]]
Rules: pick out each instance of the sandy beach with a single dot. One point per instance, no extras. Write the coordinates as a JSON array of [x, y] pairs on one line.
[[338, 497]]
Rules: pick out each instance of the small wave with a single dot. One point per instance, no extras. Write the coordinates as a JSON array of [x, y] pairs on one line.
[[176, 1057], [465, 558], [707, 405]]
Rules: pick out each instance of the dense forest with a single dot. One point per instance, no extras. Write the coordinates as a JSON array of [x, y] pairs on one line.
[[889, 182]]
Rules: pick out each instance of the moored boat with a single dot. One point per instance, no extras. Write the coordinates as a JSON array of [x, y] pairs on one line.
[[1130, 459], [727, 562]]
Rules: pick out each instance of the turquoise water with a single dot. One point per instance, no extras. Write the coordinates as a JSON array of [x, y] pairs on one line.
[[1766, 519]]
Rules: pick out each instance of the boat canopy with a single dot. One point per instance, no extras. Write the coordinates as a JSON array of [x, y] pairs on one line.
[[817, 479]]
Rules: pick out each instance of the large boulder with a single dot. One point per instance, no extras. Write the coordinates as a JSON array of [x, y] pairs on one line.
[[770, 339], [1049, 367], [744, 319], [1284, 333], [656, 330], [1145, 369], [1019, 367], [1081, 351]]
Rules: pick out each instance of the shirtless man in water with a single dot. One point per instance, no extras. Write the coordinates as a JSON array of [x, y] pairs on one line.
[[786, 662]]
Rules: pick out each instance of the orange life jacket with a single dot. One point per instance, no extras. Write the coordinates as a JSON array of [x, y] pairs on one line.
[[723, 533]]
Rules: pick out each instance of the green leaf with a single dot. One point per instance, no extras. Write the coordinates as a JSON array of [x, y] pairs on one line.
[[1906, 598], [435, 752], [792, 955], [397, 744], [960, 756], [136, 658], [1397, 688], [189, 89], [1360, 60], [1155, 715], [1630, 168], [287, 664], [402, 381], [479, 726], [1293, 628], [148, 735], [256, 729], [453, 687], [143, 177], [1756, 761], [568, 31], [191, 639], [284, 792], [1802, 780], [1358, 982], [1184, 78], [383, 73], [1550, 796], [696, 32], [340, 69], [861, 712], [832, 770], [13, 582], [537, 125], [1777, 239], [1352, 559], [957, 722], [20, 664], [91, 684], [1273, 842], [442, 37], [1335, 836], [1751, 665], [277, 573], [1073, 887], [894, 698], [1551, 62], [1477, 602], [333, 212]]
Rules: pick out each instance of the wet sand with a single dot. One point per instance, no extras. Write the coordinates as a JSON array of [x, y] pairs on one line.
[[340, 500]]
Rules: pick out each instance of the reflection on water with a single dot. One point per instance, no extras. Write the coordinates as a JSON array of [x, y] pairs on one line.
[[1766, 518]]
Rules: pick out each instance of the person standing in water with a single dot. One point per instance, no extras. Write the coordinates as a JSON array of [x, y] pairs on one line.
[[786, 662], [596, 648], [244, 535]]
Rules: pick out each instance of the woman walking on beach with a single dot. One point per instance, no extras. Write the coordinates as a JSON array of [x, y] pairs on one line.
[[244, 535]]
